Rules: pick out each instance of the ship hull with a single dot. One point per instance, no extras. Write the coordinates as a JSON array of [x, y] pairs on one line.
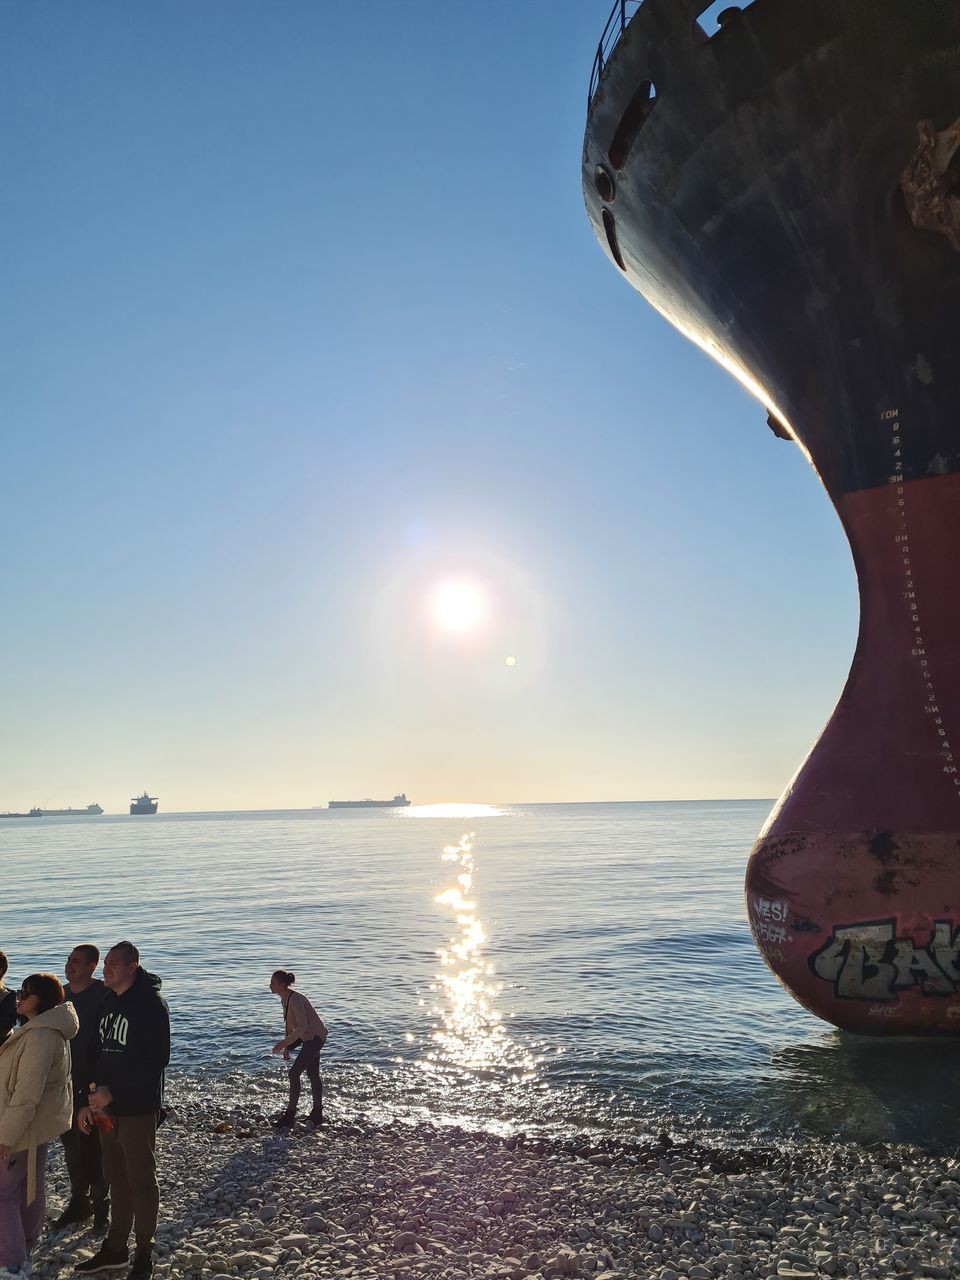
[[367, 804], [791, 201], [72, 813]]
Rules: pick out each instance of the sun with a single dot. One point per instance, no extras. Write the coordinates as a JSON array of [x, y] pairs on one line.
[[458, 605]]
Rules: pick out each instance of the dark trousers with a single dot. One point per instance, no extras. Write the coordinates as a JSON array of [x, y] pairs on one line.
[[130, 1166], [307, 1060], [82, 1154]]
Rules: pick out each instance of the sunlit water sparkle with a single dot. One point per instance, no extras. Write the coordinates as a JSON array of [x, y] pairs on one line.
[[471, 1041], [548, 967]]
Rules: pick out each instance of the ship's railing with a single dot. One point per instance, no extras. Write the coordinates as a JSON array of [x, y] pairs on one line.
[[617, 24]]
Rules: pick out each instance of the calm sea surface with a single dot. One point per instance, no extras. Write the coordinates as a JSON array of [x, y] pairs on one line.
[[545, 967]]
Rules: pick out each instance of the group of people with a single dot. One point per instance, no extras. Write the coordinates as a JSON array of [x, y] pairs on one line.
[[86, 1065]]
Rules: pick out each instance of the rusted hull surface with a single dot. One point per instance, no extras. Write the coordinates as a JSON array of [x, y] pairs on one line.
[[853, 889], [855, 927], [791, 201], [762, 206]]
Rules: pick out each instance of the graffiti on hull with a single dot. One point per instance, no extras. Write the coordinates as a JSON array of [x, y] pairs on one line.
[[768, 921], [870, 961]]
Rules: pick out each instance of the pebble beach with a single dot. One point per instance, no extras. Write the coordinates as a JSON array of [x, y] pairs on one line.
[[357, 1199]]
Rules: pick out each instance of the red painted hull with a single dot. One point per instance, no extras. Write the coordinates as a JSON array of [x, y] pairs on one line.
[[853, 888], [787, 193]]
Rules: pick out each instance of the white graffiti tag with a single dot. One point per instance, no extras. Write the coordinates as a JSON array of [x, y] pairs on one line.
[[869, 962]]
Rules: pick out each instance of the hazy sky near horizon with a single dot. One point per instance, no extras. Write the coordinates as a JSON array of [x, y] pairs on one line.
[[303, 317]]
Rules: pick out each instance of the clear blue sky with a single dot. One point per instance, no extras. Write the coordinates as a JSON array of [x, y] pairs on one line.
[[302, 315]]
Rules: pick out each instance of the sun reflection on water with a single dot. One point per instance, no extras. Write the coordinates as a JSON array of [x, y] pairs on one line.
[[470, 1040], [451, 810]]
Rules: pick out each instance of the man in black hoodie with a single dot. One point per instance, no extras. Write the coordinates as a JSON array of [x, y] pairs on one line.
[[88, 1187], [129, 1054]]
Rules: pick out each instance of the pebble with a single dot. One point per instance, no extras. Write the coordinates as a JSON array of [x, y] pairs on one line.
[[358, 1202]]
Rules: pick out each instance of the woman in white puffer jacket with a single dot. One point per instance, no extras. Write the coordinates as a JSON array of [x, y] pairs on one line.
[[36, 1106]]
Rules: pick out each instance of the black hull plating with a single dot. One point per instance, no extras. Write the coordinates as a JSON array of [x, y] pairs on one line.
[[760, 205]]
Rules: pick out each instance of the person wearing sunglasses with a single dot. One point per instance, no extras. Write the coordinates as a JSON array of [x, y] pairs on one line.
[[88, 1187], [36, 1107]]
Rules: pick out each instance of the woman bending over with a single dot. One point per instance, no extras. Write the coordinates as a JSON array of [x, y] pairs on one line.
[[304, 1029]]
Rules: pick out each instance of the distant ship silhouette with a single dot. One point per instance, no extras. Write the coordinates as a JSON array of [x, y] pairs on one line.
[[398, 802]]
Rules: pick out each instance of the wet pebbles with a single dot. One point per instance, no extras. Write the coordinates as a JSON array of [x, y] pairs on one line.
[[357, 1200]]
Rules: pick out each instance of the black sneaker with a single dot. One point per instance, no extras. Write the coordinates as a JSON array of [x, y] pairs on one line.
[[315, 1117], [105, 1259], [76, 1211], [142, 1268], [101, 1219], [286, 1120]]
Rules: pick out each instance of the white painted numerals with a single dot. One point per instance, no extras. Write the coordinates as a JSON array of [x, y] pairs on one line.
[[901, 541]]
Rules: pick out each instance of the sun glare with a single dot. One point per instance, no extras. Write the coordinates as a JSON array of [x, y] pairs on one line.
[[458, 605], [451, 810]]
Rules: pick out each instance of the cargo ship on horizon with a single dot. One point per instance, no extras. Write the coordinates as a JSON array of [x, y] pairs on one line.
[[144, 804], [91, 811], [398, 802]]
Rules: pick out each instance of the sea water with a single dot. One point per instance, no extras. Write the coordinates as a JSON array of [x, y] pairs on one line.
[[552, 968]]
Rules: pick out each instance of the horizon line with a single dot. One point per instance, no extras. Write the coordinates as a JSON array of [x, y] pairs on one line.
[[426, 804]]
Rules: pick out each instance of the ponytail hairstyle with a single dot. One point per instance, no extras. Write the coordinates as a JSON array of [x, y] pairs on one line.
[[284, 978]]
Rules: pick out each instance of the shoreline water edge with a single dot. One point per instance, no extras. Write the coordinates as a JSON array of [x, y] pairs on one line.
[[368, 1200], [582, 975]]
